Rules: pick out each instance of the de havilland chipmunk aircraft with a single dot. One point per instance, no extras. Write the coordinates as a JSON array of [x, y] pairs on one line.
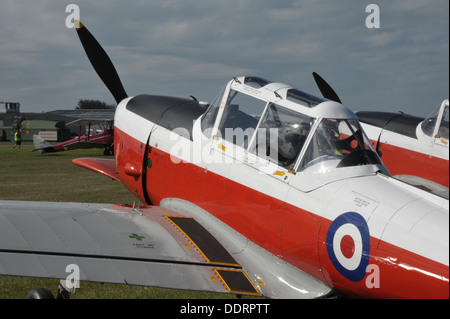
[[269, 191], [104, 138], [412, 146]]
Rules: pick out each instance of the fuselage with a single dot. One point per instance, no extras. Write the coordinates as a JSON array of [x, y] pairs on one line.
[[87, 141], [354, 228], [104, 139], [404, 155]]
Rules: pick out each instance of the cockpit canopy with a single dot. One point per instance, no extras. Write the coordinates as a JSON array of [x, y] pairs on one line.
[[283, 125]]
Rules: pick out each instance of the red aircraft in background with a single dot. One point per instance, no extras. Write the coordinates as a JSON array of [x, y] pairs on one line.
[[94, 138], [412, 148]]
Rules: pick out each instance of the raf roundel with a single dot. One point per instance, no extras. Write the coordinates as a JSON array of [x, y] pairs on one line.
[[348, 245]]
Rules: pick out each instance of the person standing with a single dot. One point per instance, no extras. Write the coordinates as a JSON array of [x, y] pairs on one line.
[[17, 139]]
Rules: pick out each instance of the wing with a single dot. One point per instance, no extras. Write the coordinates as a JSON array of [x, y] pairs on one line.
[[83, 144], [178, 246], [91, 121]]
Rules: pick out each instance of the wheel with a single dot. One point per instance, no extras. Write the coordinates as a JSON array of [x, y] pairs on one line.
[[40, 293]]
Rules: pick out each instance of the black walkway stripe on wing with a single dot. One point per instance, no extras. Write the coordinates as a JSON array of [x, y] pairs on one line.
[[208, 246], [236, 281]]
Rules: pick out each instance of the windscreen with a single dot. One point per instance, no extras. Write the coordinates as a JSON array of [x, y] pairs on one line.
[[428, 125], [338, 143]]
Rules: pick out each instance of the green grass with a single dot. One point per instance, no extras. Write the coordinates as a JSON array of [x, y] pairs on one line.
[[29, 176], [26, 175]]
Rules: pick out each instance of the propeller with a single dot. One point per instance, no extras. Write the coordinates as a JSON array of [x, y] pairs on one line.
[[101, 63], [326, 90]]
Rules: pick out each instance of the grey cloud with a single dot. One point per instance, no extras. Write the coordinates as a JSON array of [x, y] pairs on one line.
[[182, 47]]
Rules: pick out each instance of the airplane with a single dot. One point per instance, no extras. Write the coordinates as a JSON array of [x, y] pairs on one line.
[[268, 191], [103, 138], [413, 148]]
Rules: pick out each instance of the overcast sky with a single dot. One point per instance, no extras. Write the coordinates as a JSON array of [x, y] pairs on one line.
[[193, 47]]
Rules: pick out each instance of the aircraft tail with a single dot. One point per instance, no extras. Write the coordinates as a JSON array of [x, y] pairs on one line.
[[41, 145]]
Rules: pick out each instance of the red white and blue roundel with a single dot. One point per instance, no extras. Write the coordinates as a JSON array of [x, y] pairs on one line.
[[348, 245]]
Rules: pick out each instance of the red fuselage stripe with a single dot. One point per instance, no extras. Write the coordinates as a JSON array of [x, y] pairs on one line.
[[401, 161]]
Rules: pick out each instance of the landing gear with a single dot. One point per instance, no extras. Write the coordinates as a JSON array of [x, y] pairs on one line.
[[43, 293], [109, 150], [40, 293]]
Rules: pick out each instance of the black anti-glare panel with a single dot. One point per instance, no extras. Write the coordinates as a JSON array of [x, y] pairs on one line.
[[400, 123], [169, 112]]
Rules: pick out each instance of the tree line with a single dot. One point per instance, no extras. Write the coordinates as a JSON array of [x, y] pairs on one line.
[[93, 104]]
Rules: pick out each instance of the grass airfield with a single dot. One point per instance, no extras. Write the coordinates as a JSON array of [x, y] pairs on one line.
[[30, 176]]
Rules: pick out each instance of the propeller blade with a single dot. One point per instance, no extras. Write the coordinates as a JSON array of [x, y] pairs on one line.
[[101, 63], [326, 90]]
